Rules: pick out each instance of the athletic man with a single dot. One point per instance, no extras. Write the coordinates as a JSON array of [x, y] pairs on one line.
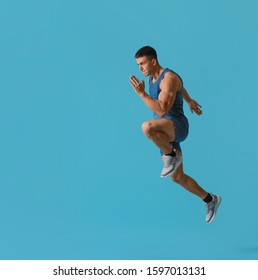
[[169, 126]]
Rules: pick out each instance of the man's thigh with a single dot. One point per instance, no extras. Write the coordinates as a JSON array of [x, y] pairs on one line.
[[166, 126]]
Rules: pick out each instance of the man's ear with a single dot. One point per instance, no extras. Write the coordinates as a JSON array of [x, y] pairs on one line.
[[154, 62]]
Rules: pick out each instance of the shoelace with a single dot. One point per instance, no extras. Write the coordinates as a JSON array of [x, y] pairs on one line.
[[169, 161], [210, 205]]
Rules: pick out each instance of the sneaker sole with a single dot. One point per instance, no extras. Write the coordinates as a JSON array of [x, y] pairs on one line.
[[216, 209], [176, 166]]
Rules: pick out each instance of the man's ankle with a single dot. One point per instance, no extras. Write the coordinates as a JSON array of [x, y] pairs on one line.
[[172, 153]]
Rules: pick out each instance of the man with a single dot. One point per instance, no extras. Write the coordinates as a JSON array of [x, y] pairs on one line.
[[169, 126]]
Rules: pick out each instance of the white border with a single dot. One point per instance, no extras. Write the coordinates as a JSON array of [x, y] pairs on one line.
[[44, 269]]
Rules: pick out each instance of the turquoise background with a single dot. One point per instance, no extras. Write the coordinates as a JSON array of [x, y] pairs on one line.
[[78, 178]]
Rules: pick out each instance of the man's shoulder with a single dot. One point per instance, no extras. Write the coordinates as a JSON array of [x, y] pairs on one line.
[[170, 73], [171, 76]]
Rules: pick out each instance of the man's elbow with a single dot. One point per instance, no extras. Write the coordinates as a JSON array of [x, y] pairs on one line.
[[162, 113]]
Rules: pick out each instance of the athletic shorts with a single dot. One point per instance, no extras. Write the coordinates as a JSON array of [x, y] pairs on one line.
[[181, 131]]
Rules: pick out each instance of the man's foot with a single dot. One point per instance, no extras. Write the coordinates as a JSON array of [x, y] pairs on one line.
[[212, 208], [171, 163]]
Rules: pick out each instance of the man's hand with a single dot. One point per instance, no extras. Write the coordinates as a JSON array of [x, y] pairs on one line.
[[139, 87], [195, 107]]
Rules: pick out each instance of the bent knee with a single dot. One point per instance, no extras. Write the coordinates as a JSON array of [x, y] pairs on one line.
[[177, 177], [147, 128]]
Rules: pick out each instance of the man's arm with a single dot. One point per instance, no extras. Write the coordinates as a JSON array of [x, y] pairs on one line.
[[168, 88], [193, 105]]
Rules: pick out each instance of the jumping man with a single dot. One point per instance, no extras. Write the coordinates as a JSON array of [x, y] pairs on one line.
[[169, 125]]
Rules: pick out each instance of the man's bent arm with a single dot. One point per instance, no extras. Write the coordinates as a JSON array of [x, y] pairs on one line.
[[167, 95], [193, 105], [155, 105], [168, 88], [186, 96]]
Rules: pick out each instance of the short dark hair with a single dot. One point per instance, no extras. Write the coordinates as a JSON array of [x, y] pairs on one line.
[[146, 51]]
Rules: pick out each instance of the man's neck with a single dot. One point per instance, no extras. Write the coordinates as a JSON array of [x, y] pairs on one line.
[[157, 73]]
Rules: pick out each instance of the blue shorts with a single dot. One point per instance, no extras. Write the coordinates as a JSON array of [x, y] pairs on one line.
[[181, 131]]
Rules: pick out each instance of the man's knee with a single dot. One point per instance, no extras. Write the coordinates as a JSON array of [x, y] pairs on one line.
[[177, 177], [147, 128]]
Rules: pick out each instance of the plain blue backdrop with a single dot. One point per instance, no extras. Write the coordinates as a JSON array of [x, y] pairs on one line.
[[78, 179]]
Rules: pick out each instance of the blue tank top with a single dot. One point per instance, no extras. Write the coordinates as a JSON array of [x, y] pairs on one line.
[[176, 111]]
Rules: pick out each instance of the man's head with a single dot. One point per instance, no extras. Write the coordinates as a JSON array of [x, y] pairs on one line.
[[147, 60]]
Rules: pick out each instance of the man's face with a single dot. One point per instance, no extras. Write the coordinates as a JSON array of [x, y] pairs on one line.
[[145, 65]]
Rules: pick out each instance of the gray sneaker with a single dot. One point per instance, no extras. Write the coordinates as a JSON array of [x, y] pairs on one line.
[[212, 208], [170, 165]]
